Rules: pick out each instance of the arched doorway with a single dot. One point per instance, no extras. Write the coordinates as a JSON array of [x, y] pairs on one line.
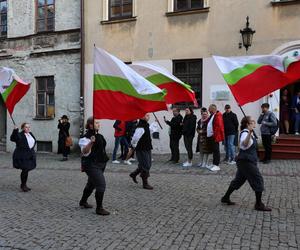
[[276, 100]]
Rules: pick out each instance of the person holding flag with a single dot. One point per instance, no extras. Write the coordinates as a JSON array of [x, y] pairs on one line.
[[142, 144], [93, 163], [24, 157], [247, 169]]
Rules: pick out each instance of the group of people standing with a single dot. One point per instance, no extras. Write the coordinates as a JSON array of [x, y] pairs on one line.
[[213, 128]]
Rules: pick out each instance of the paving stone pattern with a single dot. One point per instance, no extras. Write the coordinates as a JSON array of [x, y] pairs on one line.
[[182, 212]]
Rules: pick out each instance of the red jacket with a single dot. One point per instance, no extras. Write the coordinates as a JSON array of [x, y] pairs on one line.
[[218, 127], [120, 128]]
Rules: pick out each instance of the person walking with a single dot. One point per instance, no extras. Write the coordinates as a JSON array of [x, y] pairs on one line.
[[93, 163], [188, 131], [120, 137], [142, 144], [175, 134], [247, 169], [215, 134], [231, 126], [267, 119], [63, 134], [203, 145], [24, 157], [296, 108]]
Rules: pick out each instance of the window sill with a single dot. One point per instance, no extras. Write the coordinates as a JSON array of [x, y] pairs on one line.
[[285, 2], [188, 12], [123, 20], [42, 118]]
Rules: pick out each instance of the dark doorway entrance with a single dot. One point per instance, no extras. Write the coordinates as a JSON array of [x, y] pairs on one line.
[[287, 111]]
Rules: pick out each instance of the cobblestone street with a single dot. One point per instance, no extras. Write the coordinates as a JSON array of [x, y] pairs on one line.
[[182, 212]]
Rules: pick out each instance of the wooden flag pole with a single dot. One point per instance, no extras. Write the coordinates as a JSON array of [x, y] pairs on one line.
[[157, 120], [245, 116], [12, 119]]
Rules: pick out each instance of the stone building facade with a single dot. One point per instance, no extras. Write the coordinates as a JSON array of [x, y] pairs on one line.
[[182, 36], [40, 40]]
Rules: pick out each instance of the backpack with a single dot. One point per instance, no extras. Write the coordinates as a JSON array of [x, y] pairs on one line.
[[275, 128]]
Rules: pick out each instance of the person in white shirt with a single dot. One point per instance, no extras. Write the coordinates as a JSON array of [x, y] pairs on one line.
[[141, 142], [93, 163], [247, 169], [24, 157]]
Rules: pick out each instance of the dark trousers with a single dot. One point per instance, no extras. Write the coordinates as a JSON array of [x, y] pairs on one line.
[[96, 179], [248, 171], [174, 146], [188, 143], [144, 162], [267, 143], [24, 177], [216, 153]]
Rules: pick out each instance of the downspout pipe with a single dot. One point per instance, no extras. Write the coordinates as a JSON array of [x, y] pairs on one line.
[[82, 63]]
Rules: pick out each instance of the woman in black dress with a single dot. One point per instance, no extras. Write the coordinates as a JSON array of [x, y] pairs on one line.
[[63, 126], [24, 157], [93, 163]]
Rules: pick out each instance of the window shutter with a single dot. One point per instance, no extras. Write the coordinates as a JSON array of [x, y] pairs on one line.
[[171, 5], [134, 8], [105, 10], [206, 4]]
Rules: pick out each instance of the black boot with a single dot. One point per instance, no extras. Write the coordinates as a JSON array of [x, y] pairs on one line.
[[145, 177], [99, 199], [259, 205], [134, 174], [226, 198], [24, 177], [83, 202]]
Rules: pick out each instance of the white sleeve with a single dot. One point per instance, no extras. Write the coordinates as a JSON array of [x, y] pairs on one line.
[[137, 136], [82, 144], [153, 127], [243, 138]]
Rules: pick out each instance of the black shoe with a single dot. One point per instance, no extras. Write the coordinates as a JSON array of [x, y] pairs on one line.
[[64, 159], [262, 207], [24, 188], [102, 211], [85, 205], [227, 201], [133, 177], [146, 184]]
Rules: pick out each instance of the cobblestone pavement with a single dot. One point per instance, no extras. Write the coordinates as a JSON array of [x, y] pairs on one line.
[[182, 212]]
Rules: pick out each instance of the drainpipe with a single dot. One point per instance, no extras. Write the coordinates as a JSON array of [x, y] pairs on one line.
[[82, 62]]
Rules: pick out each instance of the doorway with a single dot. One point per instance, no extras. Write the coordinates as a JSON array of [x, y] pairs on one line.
[[287, 112]]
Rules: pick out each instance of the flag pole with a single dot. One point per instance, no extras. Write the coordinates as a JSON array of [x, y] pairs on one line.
[[157, 120], [245, 116], [12, 119]]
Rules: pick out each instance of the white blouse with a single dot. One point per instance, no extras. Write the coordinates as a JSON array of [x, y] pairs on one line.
[[30, 140]]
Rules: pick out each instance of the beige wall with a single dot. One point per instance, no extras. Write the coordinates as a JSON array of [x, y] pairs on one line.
[[191, 36]]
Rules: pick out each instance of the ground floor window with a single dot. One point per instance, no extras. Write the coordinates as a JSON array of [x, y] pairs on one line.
[[190, 72]]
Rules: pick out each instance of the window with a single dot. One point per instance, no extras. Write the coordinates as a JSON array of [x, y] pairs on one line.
[[45, 15], [45, 103], [119, 9], [182, 5], [44, 146], [190, 72], [3, 18]]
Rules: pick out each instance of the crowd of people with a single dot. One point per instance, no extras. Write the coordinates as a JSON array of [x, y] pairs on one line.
[[135, 137]]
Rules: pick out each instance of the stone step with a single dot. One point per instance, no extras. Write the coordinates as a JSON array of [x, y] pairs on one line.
[[2, 147], [280, 154], [286, 147]]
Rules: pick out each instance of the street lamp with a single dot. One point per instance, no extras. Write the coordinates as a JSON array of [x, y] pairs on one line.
[[247, 35]]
